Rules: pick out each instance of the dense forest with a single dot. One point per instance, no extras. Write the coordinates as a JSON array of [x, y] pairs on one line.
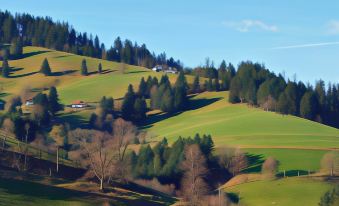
[[26, 30]]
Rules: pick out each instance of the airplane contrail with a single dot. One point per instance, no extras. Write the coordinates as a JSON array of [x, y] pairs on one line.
[[306, 45]]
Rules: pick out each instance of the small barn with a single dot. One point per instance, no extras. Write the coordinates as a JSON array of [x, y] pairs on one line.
[[78, 104], [29, 102]]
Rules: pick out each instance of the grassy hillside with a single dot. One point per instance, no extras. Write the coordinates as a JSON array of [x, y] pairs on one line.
[[297, 143], [66, 76], [289, 191]]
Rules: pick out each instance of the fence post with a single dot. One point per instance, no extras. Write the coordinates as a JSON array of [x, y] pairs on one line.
[[298, 173], [284, 173]]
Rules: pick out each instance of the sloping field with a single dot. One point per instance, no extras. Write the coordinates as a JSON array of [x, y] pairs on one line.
[[288, 191], [66, 76], [244, 126], [297, 143]]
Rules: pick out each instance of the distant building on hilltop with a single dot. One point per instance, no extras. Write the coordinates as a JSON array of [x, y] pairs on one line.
[[157, 68], [171, 70]]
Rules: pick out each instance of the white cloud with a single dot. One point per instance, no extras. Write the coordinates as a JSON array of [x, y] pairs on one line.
[[248, 24], [333, 27], [307, 45]]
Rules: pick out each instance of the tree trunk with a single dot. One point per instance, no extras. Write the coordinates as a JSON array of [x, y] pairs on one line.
[[101, 184]]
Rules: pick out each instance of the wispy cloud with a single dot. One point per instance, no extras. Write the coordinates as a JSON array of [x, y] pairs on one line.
[[333, 27], [307, 45], [248, 25]]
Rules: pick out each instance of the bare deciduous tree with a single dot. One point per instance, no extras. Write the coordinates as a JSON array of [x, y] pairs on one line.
[[238, 162], [330, 163], [193, 185], [124, 133], [269, 167], [94, 152], [122, 68]]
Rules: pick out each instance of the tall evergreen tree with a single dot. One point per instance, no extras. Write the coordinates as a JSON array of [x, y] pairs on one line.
[[5, 69], [99, 68], [84, 70], [308, 105], [140, 109], [45, 68], [196, 84], [127, 108], [142, 88], [53, 100]]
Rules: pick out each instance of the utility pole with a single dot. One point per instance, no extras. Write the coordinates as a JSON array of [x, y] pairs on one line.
[[57, 160], [219, 192]]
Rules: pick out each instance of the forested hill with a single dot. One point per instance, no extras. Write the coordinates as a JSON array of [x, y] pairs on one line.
[[27, 30]]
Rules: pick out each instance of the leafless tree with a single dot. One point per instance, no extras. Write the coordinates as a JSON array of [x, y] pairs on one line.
[[122, 68], [269, 104], [37, 113], [124, 133], [225, 157], [269, 167], [238, 162], [330, 163], [193, 184], [94, 152]]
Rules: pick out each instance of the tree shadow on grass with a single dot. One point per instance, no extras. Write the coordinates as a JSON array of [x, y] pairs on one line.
[[135, 72], [154, 118], [254, 163], [61, 73], [19, 187], [293, 173], [13, 70], [192, 105], [199, 103], [74, 119], [30, 54], [4, 94]]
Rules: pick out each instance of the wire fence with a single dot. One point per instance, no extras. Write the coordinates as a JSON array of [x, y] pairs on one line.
[[10, 143]]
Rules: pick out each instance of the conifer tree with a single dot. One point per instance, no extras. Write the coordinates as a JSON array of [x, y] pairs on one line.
[[196, 84], [5, 69], [84, 70], [99, 68], [45, 68], [53, 100], [142, 92], [308, 105], [127, 108], [140, 109]]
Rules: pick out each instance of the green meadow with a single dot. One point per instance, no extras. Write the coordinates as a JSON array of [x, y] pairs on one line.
[[288, 191]]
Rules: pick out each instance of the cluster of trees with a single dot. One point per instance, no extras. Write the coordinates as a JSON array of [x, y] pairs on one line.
[[26, 30], [256, 85], [219, 79], [170, 98], [162, 160], [44, 109]]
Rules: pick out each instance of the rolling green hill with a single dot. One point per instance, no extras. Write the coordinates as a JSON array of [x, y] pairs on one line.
[[298, 144], [290, 139], [66, 76]]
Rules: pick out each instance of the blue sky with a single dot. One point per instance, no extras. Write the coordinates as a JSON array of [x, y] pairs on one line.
[[291, 36]]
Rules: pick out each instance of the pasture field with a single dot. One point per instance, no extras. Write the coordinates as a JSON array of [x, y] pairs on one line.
[[292, 191], [298, 144], [242, 126]]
